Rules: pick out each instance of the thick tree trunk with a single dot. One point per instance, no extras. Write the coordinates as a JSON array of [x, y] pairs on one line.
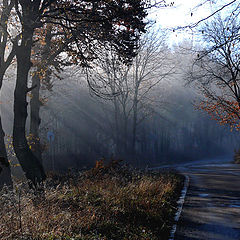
[[30, 164], [35, 119], [35, 103]]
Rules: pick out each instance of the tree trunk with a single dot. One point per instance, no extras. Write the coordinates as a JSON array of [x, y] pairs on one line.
[[35, 103], [5, 170], [35, 119], [125, 132], [30, 164], [5, 61], [134, 126]]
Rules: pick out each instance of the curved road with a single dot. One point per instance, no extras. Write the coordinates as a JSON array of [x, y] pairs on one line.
[[212, 205]]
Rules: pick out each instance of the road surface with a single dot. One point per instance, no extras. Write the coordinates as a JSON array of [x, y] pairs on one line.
[[212, 205]]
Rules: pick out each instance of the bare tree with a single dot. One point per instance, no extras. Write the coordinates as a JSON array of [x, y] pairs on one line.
[[131, 87], [216, 70]]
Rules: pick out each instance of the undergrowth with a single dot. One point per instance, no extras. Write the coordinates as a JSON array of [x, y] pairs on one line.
[[106, 202]]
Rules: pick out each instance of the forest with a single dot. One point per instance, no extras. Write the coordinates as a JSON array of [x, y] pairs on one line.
[[103, 86], [103, 103]]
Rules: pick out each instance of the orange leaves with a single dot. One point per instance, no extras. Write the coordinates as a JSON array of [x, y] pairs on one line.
[[99, 164], [223, 111], [41, 72], [42, 41]]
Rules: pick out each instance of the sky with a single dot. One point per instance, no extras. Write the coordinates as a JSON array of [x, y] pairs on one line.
[[179, 14], [182, 13]]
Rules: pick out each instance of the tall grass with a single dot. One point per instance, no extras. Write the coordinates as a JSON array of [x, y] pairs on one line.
[[107, 202]]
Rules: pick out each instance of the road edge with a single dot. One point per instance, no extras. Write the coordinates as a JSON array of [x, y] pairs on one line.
[[180, 203]]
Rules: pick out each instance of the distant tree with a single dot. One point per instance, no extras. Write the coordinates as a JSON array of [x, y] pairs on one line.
[[131, 88], [216, 70]]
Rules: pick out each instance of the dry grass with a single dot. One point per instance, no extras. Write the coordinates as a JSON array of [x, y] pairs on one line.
[[104, 203]]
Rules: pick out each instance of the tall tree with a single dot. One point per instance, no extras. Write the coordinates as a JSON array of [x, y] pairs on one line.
[[93, 25]]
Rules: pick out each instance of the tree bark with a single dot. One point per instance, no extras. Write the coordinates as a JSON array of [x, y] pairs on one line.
[[30, 164], [35, 103], [35, 119], [134, 123], [5, 170]]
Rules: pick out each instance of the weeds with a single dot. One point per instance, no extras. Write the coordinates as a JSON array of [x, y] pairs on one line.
[[107, 202]]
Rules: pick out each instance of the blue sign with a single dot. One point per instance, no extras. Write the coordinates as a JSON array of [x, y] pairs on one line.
[[50, 136]]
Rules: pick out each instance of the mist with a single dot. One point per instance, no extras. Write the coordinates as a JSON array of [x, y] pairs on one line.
[[82, 124]]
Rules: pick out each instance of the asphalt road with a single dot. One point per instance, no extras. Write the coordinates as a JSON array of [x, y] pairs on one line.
[[212, 205]]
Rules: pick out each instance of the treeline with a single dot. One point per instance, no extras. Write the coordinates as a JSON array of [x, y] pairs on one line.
[[80, 125], [85, 127]]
